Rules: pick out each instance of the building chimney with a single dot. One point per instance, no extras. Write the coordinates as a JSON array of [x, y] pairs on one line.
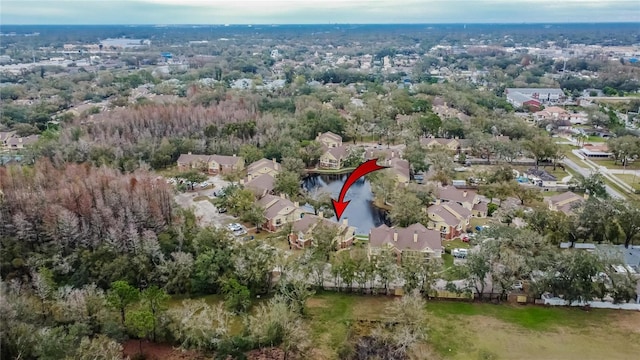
[[395, 235], [241, 181], [282, 196], [274, 161], [464, 194], [189, 153], [392, 153], [296, 204], [586, 195], [249, 177], [321, 214], [319, 134], [234, 155], [345, 221], [415, 236]]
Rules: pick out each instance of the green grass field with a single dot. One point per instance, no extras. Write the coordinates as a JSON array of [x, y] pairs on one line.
[[478, 222], [610, 164], [459, 330], [595, 139], [633, 181], [462, 330]]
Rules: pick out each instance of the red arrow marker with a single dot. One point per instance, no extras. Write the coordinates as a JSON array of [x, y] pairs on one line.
[[363, 169]]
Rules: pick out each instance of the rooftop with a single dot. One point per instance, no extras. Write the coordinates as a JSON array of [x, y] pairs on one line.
[[415, 237]]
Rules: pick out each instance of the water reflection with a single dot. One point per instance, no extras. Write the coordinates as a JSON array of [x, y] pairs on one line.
[[360, 212]]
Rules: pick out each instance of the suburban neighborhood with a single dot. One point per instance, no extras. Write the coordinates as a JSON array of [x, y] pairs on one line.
[[273, 190]]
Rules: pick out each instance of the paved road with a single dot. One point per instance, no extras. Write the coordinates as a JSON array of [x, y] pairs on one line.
[[587, 172]]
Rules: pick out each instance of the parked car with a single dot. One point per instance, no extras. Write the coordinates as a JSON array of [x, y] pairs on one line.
[[460, 253], [518, 285], [222, 210], [235, 227]]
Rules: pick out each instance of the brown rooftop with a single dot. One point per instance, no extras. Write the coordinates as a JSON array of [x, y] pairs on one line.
[[262, 182], [263, 163], [450, 193], [415, 237], [339, 152], [446, 215]]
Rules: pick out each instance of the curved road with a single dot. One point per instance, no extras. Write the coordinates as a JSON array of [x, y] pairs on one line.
[[587, 172]]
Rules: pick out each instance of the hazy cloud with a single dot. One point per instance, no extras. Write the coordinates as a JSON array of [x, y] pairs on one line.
[[314, 11]]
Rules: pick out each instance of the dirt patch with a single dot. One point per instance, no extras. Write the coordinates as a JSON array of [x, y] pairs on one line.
[[372, 307], [266, 354], [317, 303], [154, 351], [628, 321]]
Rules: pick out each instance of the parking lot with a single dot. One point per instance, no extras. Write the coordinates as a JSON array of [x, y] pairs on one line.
[[205, 211]]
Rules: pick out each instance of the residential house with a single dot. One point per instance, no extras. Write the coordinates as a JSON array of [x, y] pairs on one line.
[[541, 178], [415, 241], [302, 231], [212, 164], [449, 144], [279, 211], [382, 154], [264, 166], [260, 185], [17, 143], [480, 210], [578, 118], [467, 198], [333, 157], [552, 113], [449, 219], [563, 125], [565, 202], [329, 139], [401, 169]]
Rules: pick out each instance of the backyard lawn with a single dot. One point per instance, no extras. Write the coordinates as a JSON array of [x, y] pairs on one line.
[[595, 139], [559, 173], [456, 243], [459, 330], [478, 222]]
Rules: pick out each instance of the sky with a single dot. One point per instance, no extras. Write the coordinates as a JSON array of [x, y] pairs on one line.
[[315, 11]]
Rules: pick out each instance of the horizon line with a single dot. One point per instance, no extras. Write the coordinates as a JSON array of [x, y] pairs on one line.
[[330, 23]]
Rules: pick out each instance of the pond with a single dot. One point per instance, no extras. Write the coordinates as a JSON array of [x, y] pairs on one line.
[[361, 212]]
